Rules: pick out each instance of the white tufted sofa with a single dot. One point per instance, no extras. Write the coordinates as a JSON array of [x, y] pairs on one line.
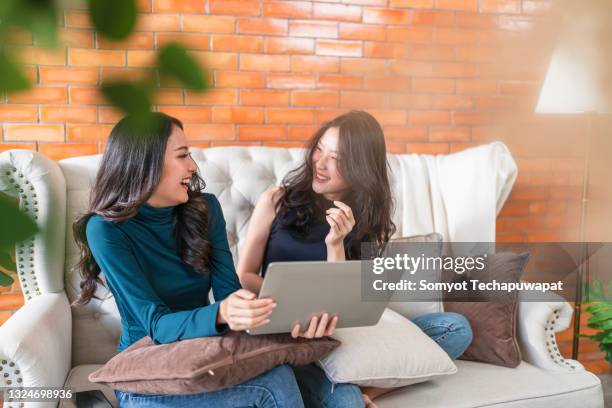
[[46, 343]]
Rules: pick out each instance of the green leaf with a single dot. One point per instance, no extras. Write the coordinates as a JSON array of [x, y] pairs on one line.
[[12, 78], [5, 280], [131, 97], [6, 261], [599, 306], [16, 226], [174, 60], [114, 19], [596, 290], [607, 339], [601, 316]]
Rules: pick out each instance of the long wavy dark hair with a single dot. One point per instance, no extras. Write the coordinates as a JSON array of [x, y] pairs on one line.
[[130, 170], [362, 163]]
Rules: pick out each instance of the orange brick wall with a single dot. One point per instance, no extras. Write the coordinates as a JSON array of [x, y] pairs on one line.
[[440, 75]]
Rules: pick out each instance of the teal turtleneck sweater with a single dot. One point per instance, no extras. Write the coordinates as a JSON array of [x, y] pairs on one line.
[[157, 294]]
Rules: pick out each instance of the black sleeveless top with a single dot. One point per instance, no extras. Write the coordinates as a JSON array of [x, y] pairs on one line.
[[285, 244]]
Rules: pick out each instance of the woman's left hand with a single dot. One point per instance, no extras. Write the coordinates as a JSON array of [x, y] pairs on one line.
[[341, 222]]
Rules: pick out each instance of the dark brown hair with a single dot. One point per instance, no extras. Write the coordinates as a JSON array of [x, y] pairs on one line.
[[362, 162], [129, 172]]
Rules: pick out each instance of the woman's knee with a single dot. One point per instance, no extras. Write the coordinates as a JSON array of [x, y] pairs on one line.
[[452, 331], [281, 387]]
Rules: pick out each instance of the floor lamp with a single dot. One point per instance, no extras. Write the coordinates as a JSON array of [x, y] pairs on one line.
[[572, 86]]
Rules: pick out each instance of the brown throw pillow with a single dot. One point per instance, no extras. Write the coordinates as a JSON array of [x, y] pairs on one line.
[[205, 364], [493, 322]]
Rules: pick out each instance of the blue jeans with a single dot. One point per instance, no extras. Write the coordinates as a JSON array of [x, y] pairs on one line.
[[275, 388], [450, 330]]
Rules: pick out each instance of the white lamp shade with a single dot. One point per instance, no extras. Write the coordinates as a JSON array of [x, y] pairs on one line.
[[573, 81]]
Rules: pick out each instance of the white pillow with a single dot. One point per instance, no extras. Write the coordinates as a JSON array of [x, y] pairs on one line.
[[393, 353]]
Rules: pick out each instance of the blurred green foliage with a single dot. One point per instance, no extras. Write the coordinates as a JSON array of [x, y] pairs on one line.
[[600, 308], [113, 19]]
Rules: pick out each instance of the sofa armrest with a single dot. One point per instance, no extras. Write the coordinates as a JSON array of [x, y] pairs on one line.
[[36, 344], [537, 324]]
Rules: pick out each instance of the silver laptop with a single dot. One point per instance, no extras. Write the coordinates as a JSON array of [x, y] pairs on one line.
[[306, 289]]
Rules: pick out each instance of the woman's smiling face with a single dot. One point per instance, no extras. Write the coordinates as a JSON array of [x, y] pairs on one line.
[[326, 178], [178, 169]]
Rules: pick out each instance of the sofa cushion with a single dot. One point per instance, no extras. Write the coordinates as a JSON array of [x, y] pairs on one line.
[[486, 385], [393, 353]]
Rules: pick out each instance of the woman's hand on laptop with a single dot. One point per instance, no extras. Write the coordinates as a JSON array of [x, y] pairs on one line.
[[317, 328], [242, 310]]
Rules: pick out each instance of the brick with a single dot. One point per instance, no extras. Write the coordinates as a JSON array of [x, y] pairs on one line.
[[477, 54], [429, 118], [544, 207], [385, 50], [314, 98], [77, 19], [427, 148], [87, 96], [137, 40], [43, 133], [456, 36], [300, 132], [191, 41], [11, 301], [291, 81], [471, 5], [225, 114], [57, 151], [308, 63], [519, 88], [41, 94], [473, 118], [413, 34], [475, 20], [158, 22], [289, 115], [87, 133], [409, 101], [107, 58], [108, 114], [141, 58], [240, 79], [406, 134], [370, 32], [262, 26], [432, 18], [515, 23], [216, 60], [454, 134], [455, 70], [433, 85], [68, 75], [326, 115], [208, 24], [341, 48], [529, 194], [451, 102], [476, 86], [234, 7], [412, 3], [250, 97], [195, 132], [363, 66], [18, 113], [262, 62], [331, 81], [386, 16], [362, 100], [4, 315], [387, 83], [395, 148], [543, 236], [336, 12], [500, 6], [68, 113], [412, 68], [76, 38], [275, 45], [10, 146], [238, 43], [31, 73], [430, 52], [122, 73], [390, 117], [316, 29], [41, 56], [287, 9], [537, 7], [178, 6], [188, 114], [212, 97], [261, 132], [457, 147]]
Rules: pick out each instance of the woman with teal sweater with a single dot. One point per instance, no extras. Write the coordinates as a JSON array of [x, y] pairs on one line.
[[162, 246]]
